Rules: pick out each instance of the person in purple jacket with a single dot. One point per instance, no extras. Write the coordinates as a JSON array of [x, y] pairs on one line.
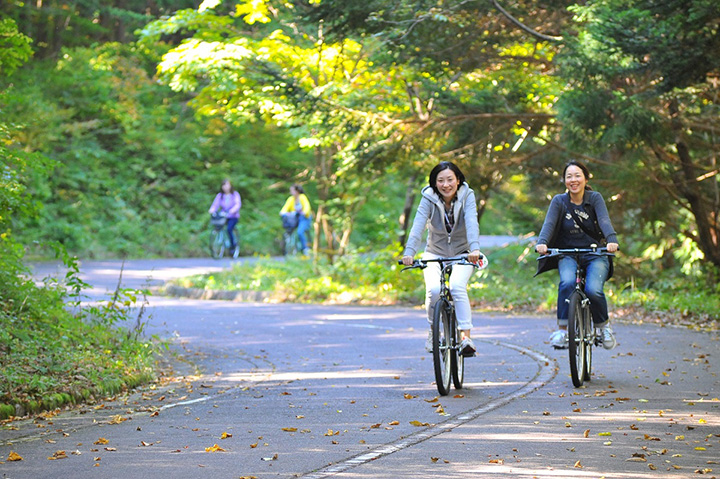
[[229, 202]]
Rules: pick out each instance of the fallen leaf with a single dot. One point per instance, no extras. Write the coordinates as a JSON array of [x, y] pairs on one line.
[[57, 455], [394, 423], [102, 440], [274, 458], [419, 424], [118, 419], [110, 449], [497, 461], [578, 465], [586, 433], [253, 446], [14, 456], [604, 434], [459, 396], [225, 435], [434, 459], [330, 432], [146, 444], [652, 467], [409, 396], [289, 429], [214, 448]]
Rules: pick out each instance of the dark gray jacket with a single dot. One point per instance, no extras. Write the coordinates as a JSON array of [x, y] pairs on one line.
[[465, 235], [592, 201]]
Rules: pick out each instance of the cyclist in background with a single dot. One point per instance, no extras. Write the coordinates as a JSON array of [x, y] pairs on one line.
[[579, 219], [228, 201], [449, 211], [299, 205]]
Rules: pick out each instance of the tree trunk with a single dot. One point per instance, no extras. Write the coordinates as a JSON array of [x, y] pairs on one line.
[[706, 220], [410, 193]]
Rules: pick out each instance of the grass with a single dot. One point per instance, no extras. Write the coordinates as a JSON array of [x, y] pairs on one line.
[[506, 285], [55, 352]]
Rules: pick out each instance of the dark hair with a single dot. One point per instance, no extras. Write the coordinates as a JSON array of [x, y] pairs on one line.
[[442, 166], [583, 168], [227, 180], [298, 188]]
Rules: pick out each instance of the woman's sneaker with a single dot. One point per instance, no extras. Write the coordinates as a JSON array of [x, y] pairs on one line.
[[608, 338], [467, 347], [559, 339], [428, 342]]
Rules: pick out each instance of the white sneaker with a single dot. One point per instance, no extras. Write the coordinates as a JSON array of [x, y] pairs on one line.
[[428, 342], [608, 338], [467, 347], [559, 339]]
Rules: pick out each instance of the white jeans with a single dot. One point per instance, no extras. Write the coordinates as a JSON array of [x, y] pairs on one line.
[[458, 289]]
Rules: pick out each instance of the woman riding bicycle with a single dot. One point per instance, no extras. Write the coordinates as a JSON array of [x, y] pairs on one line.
[[299, 205], [449, 211], [579, 219], [229, 202]]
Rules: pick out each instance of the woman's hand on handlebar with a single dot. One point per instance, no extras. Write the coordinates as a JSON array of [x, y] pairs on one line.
[[407, 260], [612, 247], [541, 248], [474, 256]]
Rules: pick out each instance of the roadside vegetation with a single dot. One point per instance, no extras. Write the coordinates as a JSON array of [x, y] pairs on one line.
[[507, 285]]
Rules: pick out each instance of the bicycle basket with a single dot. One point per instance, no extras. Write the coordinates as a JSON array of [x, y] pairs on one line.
[[290, 221], [217, 219]]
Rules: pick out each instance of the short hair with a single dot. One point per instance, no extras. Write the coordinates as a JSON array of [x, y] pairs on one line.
[[442, 166], [298, 188]]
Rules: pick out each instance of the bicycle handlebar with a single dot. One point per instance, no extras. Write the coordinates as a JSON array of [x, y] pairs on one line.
[[601, 251], [422, 263]]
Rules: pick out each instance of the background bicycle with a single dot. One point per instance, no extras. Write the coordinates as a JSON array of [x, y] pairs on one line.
[[291, 239], [219, 239]]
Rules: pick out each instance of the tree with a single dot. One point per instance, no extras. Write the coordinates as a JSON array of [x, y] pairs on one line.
[[644, 85]]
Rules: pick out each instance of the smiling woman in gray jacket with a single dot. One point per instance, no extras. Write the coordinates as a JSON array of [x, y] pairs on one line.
[[448, 210]]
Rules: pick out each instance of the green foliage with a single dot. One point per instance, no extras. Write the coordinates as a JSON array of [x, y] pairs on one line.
[[137, 170], [47, 349], [14, 46]]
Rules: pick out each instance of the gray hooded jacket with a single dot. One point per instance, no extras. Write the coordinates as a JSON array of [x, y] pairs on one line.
[[465, 235]]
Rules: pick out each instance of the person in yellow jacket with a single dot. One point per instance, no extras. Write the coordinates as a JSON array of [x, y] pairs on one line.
[[297, 212]]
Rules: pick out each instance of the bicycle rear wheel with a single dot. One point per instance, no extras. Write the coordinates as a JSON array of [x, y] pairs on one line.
[[217, 243], [457, 359], [576, 339], [442, 351], [290, 245]]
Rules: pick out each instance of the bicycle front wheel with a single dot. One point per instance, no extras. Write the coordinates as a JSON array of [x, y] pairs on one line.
[[457, 359], [442, 337], [576, 339], [217, 243], [589, 342]]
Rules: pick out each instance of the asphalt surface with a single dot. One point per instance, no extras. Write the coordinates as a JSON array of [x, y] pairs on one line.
[[288, 390]]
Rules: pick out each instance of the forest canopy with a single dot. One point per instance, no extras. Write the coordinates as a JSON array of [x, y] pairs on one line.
[[143, 107]]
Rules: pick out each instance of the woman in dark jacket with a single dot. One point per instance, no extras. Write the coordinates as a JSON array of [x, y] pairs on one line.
[[560, 230]]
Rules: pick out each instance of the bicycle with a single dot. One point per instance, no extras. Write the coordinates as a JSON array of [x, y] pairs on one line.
[[582, 335], [291, 238], [219, 239], [448, 362]]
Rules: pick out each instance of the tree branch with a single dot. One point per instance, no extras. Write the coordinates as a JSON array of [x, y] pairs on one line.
[[522, 26]]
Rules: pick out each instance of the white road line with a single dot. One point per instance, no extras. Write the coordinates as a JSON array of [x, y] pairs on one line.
[[546, 371]]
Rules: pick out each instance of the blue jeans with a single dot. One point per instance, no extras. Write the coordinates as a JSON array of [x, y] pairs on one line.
[[302, 228], [596, 272], [231, 222]]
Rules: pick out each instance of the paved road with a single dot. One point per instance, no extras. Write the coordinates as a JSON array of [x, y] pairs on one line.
[[347, 392]]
